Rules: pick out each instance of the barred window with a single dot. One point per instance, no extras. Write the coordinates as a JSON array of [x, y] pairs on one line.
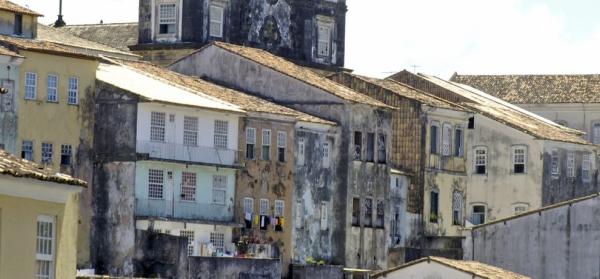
[[190, 241], [190, 131], [221, 134], [47, 149], [188, 186], [73, 97], [167, 18], [30, 86], [45, 247], [155, 184], [248, 205], [157, 126], [219, 189], [279, 208], [66, 154], [52, 83], [218, 241], [570, 165]]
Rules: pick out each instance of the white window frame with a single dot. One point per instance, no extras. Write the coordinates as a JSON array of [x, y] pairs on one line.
[[554, 162], [158, 125], [325, 30], [221, 134], [52, 88], [218, 241], [446, 139], [45, 254], [30, 86], [73, 94], [586, 167], [484, 213], [438, 137], [281, 145], [324, 216], [264, 207], [27, 147], [168, 20], [266, 142], [47, 153], [216, 21], [189, 182], [219, 189], [457, 202], [156, 184], [516, 158], [249, 205], [66, 150], [326, 154], [190, 131], [477, 160], [279, 207], [251, 140], [571, 164]]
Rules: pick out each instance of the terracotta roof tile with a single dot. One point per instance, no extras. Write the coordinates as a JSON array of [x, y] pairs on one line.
[[116, 35], [12, 7], [11, 165], [42, 46], [8, 52]]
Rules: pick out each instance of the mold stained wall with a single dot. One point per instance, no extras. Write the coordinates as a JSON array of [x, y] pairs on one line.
[[225, 67], [9, 105], [7, 24]]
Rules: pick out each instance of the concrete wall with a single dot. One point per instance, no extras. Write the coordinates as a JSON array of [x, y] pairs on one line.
[[559, 242], [233, 268], [317, 272]]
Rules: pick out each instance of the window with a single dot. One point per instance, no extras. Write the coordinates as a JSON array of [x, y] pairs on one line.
[[520, 208], [18, 24], [381, 149], [457, 199], [47, 149], [519, 159], [357, 146], [324, 216], [368, 212], [301, 151], [218, 241], [66, 154], [458, 142], [248, 205], [188, 186], [45, 247], [379, 219], [52, 84], [157, 126], [471, 124], [570, 165], [324, 38], [221, 128], [172, 118], [355, 212], [480, 160], [586, 166], [478, 215], [27, 150], [433, 206], [446, 139], [30, 86], [190, 131], [167, 18], [155, 184], [250, 143], [433, 138], [190, 241], [596, 133], [264, 207], [370, 147], [281, 144], [216, 21], [554, 165], [73, 97], [219, 189], [326, 154], [279, 208], [299, 214], [266, 145]]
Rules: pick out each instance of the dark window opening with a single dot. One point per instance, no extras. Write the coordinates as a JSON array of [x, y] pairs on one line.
[[478, 216], [355, 212], [368, 213], [380, 214], [480, 170], [433, 208], [434, 139], [519, 168], [471, 123], [18, 24], [370, 147], [381, 148], [458, 143], [357, 146], [281, 154], [250, 151]]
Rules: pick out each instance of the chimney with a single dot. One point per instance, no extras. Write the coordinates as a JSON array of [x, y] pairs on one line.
[[60, 22]]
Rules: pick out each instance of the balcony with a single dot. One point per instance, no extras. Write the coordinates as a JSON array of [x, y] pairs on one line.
[[156, 208], [186, 153]]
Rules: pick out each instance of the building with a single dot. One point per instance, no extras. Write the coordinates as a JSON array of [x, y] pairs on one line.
[[519, 160], [38, 220], [282, 157], [360, 211], [428, 140], [557, 241], [308, 32], [437, 267]]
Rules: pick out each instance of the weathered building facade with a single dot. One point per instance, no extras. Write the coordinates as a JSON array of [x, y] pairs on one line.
[[360, 212], [428, 141], [519, 161]]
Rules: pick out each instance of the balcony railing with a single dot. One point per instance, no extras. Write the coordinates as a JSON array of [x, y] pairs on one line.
[[182, 210], [180, 152]]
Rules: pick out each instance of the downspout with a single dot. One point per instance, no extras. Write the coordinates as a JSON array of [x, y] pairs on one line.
[[472, 246]]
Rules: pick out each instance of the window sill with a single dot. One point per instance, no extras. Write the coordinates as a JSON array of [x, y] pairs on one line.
[[51, 102], [73, 104], [480, 174]]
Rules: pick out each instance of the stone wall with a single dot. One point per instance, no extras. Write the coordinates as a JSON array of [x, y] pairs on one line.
[[317, 272]]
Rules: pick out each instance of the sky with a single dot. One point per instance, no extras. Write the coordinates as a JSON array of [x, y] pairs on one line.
[[437, 37]]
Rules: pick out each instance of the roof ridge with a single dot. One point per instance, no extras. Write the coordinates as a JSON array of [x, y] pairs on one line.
[[112, 49], [98, 24]]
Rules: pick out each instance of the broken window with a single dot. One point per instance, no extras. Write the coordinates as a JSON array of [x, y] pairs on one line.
[[478, 215], [370, 147], [381, 149], [596, 133], [446, 139], [357, 146], [433, 206], [457, 198], [157, 126], [216, 21], [220, 134], [281, 144], [250, 143], [570, 164], [167, 18], [519, 159], [266, 145], [368, 212], [480, 160], [434, 138], [458, 142], [554, 165], [379, 219], [586, 166], [355, 212]]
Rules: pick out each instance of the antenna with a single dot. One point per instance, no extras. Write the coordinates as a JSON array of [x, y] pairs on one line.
[[415, 68], [60, 22]]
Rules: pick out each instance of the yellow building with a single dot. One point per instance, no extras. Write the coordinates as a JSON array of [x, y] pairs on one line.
[[38, 220]]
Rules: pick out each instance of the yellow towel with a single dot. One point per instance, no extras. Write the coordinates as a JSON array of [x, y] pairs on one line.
[[256, 220], [281, 221]]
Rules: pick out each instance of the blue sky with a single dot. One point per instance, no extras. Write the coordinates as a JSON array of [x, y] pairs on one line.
[[440, 36]]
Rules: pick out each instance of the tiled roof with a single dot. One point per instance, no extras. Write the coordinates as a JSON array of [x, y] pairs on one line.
[[508, 114], [42, 46], [11, 165], [245, 101], [12, 7], [300, 73], [116, 35], [8, 52], [537, 89], [478, 269], [63, 37]]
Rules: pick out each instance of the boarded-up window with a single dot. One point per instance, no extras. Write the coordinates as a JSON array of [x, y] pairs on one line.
[[379, 219], [555, 163], [357, 146]]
